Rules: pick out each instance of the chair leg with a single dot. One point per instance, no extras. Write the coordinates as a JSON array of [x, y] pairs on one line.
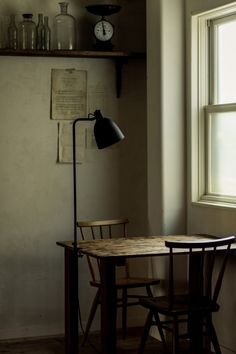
[[145, 334], [158, 322], [149, 291], [175, 344], [213, 336], [124, 312], [92, 313], [159, 326]]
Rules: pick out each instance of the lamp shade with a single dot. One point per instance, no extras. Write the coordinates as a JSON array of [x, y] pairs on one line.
[[106, 131]]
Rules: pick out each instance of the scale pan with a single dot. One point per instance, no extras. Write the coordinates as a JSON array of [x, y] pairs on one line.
[[103, 9]]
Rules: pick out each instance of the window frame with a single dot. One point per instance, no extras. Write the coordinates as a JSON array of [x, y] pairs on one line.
[[203, 101]]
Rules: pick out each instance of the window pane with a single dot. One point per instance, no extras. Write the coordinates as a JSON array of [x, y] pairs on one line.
[[222, 153], [226, 81]]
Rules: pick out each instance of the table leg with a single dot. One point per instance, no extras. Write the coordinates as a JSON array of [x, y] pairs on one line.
[[108, 306], [196, 334], [71, 303], [196, 319]]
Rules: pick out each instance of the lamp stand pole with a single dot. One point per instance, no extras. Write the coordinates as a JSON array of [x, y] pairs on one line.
[[106, 133], [74, 327]]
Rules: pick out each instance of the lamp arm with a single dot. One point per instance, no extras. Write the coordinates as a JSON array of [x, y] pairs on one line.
[[90, 118]]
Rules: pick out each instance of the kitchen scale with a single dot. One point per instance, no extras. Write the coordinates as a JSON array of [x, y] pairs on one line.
[[103, 30]]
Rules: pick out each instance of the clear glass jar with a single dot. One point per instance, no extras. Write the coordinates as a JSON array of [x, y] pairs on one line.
[[40, 32], [27, 33], [65, 29], [12, 33], [47, 34]]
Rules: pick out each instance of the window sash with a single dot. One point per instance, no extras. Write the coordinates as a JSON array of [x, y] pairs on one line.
[[213, 107], [209, 113], [213, 25]]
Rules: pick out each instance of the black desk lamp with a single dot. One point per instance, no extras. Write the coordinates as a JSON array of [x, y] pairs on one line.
[[106, 133]]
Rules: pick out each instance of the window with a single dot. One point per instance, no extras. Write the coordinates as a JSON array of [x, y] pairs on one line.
[[214, 124]]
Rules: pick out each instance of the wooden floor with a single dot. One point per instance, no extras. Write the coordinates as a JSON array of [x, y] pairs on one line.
[[55, 345]]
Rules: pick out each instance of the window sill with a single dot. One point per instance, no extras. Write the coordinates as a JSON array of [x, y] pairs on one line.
[[214, 204]]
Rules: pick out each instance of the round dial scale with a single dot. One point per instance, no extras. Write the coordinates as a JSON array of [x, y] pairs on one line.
[[103, 30]]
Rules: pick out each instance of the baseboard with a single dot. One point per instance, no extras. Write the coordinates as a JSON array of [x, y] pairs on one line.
[[32, 339], [30, 333]]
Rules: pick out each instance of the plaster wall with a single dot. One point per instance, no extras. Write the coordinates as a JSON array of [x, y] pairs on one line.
[[36, 191], [166, 116], [173, 117], [166, 122]]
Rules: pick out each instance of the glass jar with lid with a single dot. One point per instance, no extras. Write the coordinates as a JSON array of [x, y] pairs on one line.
[[27, 33], [65, 29]]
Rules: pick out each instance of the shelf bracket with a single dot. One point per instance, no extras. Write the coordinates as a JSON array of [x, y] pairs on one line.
[[119, 62]]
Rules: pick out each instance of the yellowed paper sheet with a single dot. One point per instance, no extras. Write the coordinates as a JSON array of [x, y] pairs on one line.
[[68, 94], [65, 143]]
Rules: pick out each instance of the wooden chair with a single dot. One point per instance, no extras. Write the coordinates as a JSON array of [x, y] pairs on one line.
[[194, 308], [108, 229]]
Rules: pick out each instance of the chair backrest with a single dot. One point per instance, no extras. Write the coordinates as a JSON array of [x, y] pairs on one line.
[[204, 278], [102, 229]]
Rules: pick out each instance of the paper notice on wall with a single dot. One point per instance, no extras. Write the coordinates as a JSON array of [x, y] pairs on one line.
[[68, 94], [65, 142]]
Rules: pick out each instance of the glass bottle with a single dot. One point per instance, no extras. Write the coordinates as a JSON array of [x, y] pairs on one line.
[[40, 32], [12, 33], [47, 34], [65, 29], [27, 33]]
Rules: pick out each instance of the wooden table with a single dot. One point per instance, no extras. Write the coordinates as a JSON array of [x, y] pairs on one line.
[[109, 252]]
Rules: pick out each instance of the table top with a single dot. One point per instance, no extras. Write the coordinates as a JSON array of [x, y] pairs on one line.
[[131, 246]]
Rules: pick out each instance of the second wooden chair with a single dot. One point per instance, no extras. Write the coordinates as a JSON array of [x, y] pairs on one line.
[[195, 306]]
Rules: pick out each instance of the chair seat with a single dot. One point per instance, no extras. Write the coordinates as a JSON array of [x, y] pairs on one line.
[[180, 306], [130, 282]]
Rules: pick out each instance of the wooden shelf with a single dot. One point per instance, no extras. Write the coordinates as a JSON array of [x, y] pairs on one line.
[[120, 57], [116, 54]]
